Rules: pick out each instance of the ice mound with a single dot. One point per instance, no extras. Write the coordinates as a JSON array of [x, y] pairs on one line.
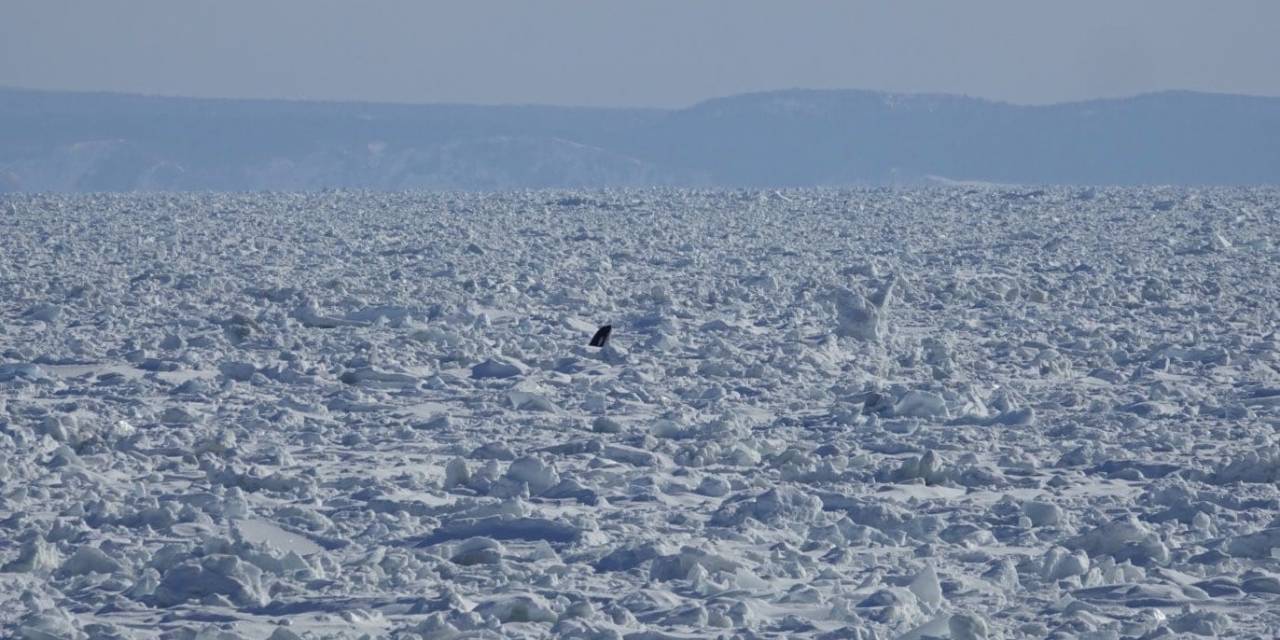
[[492, 368], [968, 626], [370, 375], [22, 371], [502, 527], [538, 475], [926, 587], [35, 556], [929, 467], [857, 317], [1260, 544], [479, 550], [238, 371], [1254, 467], [87, 560], [1123, 539], [309, 314], [1058, 564], [530, 401], [775, 506], [920, 404], [685, 565], [517, 608], [628, 556], [241, 583], [51, 625], [1043, 514]]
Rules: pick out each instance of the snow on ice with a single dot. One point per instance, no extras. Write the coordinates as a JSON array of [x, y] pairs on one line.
[[950, 413]]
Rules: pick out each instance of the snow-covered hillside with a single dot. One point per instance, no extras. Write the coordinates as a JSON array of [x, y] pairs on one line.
[[964, 413], [75, 142]]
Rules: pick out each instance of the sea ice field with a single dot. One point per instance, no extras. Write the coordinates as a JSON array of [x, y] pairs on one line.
[[960, 412]]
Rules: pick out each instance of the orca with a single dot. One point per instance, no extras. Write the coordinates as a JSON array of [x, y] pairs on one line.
[[601, 336]]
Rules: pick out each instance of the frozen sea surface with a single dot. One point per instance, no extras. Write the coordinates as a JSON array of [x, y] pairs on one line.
[[964, 413]]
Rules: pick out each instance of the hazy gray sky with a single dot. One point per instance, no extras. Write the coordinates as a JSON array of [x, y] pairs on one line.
[[643, 52]]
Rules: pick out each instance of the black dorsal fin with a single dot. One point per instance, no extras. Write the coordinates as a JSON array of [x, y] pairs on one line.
[[601, 336]]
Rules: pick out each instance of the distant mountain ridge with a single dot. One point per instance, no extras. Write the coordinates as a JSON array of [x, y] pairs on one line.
[[61, 141]]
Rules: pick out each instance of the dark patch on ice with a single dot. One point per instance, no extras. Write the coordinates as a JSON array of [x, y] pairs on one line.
[[602, 336]]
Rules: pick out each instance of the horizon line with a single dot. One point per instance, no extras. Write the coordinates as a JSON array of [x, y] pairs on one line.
[[550, 105]]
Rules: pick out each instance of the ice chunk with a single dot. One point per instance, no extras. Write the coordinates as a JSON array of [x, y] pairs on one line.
[[1059, 564], [517, 608], [539, 475], [50, 625], [501, 527], [627, 557], [527, 401], [476, 551], [780, 504], [456, 473], [1254, 466], [968, 626], [857, 317], [604, 424], [1023, 417], [44, 312], [23, 370], [308, 313], [224, 575], [679, 565], [238, 371], [920, 404], [284, 633], [35, 556], [1259, 544], [714, 486], [87, 560], [926, 587], [1123, 539], [492, 368], [929, 467], [1043, 514], [371, 376]]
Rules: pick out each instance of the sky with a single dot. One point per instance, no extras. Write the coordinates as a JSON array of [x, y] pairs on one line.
[[650, 53]]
